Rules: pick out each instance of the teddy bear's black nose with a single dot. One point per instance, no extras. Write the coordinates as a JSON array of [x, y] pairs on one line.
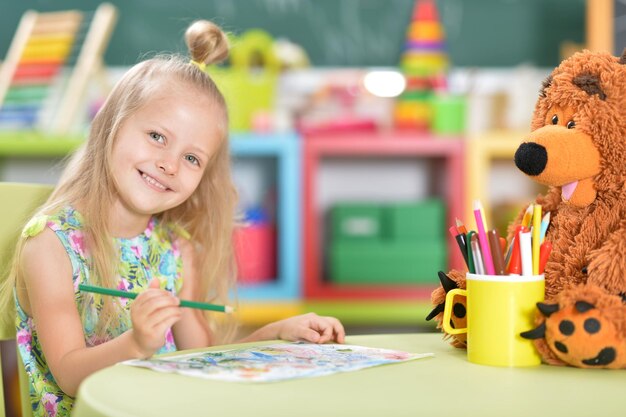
[[531, 158]]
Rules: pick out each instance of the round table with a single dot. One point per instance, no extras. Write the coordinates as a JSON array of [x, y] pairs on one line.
[[444, 385]]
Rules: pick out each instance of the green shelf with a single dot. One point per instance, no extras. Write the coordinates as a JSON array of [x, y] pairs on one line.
[[37, 144]]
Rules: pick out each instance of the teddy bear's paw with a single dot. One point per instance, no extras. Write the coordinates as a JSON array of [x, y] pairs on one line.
[[454, 279], [581, 335]]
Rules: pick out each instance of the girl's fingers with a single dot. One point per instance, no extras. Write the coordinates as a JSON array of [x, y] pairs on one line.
[[311, 328], [150, 294], [156, 310], [154, 303], [153, 320], [309, 335], [140, 309], [327, 333], [153, 312], [151, 336], [340, 333], [166, 324], [330, 329]]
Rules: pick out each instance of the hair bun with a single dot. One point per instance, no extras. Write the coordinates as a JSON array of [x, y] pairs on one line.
[[206, 42]]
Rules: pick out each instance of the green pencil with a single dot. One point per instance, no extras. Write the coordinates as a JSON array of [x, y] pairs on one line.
[[133, 295]]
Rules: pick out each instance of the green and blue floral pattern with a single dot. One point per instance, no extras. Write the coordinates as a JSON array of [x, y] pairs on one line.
[[152, 254]]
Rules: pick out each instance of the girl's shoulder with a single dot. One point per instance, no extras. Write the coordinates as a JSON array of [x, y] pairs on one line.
[[66, 224], [65, 219]]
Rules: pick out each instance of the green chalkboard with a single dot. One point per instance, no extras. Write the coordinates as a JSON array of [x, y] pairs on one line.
[[619, 26], [340, 32]]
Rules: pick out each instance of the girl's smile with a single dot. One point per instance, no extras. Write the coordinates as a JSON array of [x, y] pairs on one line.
[[154, 183]]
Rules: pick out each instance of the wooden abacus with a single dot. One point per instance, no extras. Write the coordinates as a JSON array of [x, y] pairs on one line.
[[34, 93]]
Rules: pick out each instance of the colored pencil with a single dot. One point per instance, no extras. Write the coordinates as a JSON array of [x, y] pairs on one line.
[[545, 222], [482, 238], [461, 227], [470, 255], [496, 252], [544, 254], [536, 242], [526, 253], [460, 241], [479, 266], [133, 295], [528, 214], [515, 263], [509, 252]]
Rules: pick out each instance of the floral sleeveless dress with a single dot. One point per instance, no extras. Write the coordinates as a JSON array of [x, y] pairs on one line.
[[153, 253]]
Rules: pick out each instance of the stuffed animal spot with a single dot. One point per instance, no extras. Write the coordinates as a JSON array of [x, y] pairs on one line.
[[579, 334]]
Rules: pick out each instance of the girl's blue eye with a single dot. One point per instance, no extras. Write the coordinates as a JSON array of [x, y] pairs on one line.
[[192, 159], [157, 137]]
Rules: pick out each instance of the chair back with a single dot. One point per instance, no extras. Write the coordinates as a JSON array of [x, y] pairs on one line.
[[18, 202]]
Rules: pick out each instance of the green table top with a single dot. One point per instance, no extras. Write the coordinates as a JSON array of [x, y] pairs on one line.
[[445, 385]]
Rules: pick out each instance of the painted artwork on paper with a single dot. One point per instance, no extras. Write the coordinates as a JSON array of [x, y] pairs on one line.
[[276, 362]]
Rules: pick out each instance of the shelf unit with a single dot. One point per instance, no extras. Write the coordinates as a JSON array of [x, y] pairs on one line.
[[286, 149], [299, 286], [318, 292], [481, 153]]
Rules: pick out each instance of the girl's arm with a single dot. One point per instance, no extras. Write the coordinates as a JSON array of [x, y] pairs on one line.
[[192, 330], [49, 300]]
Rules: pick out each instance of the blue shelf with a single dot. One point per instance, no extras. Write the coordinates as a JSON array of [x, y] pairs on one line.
[[286, 149]]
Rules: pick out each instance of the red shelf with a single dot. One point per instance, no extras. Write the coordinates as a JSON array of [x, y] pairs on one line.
[[394, 144]]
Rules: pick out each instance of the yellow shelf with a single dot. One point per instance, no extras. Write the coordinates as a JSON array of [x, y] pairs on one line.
[[349, 312], [480, 153], [258, 314]]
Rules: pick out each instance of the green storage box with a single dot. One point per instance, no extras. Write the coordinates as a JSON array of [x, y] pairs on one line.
[[387, 262], [424, 220], [362, 222]]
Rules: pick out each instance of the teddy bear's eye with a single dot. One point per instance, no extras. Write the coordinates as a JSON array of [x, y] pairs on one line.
[[571, 124], [555, 119]]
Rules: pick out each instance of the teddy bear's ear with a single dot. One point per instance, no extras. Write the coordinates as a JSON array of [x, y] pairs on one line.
[[622, 59], [544, 85], [590, 84]]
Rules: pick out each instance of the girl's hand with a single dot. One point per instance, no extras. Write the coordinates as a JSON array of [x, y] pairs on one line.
[[152, 313], [311, 328]]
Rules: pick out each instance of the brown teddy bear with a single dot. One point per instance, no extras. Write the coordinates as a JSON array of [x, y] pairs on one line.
[[578, 148]]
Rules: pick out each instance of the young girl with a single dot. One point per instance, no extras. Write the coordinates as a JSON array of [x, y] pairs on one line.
[[146, 205]]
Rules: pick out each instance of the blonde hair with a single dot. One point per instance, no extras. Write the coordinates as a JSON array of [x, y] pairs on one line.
[[207, 215]]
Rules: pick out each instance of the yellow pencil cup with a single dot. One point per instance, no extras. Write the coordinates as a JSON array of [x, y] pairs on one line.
[[499, 308]]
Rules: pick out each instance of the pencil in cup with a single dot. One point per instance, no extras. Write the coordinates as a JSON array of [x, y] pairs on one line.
[[496, 252], [482, 238], [460, 240], [133, 295], [536, 238]]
